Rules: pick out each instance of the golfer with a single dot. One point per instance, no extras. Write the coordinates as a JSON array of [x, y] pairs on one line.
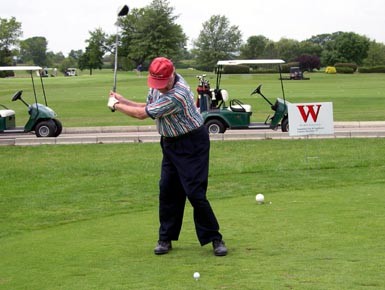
[[185, 145]]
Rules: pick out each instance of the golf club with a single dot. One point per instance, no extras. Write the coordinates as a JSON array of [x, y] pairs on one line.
[[122, 11]]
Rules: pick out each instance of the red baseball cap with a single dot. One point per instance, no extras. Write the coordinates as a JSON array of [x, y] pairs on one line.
[[159, 73]]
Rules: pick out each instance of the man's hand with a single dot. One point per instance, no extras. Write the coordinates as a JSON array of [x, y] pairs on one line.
[[112, 101]]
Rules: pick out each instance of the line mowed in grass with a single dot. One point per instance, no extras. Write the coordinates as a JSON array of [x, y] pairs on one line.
[[77, 217]]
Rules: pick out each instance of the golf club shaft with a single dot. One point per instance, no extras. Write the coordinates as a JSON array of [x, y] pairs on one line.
[[116, 60], [122, 12]]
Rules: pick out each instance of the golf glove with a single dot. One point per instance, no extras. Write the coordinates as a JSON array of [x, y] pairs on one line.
[[112, 101]]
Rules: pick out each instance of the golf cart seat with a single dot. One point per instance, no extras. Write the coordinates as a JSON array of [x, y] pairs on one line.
[[238, 106], [6, 113], [219, 97], [241, 108]]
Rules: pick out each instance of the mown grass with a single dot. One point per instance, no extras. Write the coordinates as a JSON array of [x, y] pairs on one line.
[[81, 101], [85, 217]]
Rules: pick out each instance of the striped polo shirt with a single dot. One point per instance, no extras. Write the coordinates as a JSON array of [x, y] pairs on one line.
[[175, 112]]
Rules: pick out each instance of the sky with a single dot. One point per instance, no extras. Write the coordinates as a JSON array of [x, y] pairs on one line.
[[66, 24]]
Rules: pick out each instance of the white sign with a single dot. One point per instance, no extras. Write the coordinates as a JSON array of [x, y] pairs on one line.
[[310, 119]]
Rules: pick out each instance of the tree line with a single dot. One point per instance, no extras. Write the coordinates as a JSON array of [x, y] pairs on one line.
[[152, 31]]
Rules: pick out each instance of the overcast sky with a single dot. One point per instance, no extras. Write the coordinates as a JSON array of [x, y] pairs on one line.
[[66, 24]]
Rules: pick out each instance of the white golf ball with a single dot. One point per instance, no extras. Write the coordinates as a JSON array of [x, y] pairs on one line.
[[260, 198], [196, 275]]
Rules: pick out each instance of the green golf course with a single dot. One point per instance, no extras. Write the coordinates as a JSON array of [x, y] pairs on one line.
[[86, 216]]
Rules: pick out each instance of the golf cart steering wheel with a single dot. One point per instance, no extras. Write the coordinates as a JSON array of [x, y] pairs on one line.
[[257, 90], [17, 96]]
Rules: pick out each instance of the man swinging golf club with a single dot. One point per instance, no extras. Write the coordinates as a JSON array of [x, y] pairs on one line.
[[185, 145]]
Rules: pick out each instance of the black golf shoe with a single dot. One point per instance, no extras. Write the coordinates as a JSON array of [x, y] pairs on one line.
[[219, 248], [163, 247]]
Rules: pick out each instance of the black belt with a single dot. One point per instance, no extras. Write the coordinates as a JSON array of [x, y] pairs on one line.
[[179, 137]]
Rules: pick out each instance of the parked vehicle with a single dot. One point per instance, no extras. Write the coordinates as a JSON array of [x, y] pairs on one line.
[[295, 74], [221, 113], [70, 72], [42, 119]]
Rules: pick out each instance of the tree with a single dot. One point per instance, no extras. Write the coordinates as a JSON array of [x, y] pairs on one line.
[[310, 48], [55, 59], [217, 40], [254, 48], [150, 32], [10, 31], [71, 61], [308, 62], [345, 47], [75, 54], [320, 39], [376, 54], [34, 51], [93, 57], [287, 49], [270, 50]]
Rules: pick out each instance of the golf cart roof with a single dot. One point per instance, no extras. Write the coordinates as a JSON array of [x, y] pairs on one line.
[[18, 68], [250, 61]]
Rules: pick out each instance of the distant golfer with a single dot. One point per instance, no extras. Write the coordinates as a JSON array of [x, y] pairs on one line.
[[139, 69], [185, 145]]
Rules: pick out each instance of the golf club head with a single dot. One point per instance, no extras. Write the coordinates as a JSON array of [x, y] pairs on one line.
[[122, 11]]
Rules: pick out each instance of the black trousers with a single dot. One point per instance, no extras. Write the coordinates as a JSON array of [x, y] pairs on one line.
[[184, 174]]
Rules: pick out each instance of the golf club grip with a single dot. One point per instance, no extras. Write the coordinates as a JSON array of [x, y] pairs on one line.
[[114, 90]]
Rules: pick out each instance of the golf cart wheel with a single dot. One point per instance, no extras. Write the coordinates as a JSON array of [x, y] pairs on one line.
[[59, 127], [45, 129], [215, 127], [285, 125]]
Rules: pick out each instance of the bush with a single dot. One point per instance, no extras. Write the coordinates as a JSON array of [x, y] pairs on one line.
[[309, 62], [374, 69], [344, 70], [261, 70], [330, 70], [286, 67], [236, 69], [346, 64], [6, 74]]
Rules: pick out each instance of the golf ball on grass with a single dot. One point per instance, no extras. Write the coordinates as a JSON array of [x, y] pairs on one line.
[[196, 275], [260, 198]]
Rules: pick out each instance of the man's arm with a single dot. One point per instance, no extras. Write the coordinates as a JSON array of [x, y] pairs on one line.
[[128, 107], [136, 110]]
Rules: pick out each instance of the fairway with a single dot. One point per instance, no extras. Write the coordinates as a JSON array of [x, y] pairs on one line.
[[81, 101], [78, 217]]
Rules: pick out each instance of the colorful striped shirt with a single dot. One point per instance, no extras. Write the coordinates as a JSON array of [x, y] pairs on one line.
[[175, 112]]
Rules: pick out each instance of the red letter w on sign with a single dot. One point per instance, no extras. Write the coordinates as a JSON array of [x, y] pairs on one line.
[[310, 111]]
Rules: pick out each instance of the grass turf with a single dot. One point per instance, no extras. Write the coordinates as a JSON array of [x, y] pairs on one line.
[[81, 101], [73, 219]]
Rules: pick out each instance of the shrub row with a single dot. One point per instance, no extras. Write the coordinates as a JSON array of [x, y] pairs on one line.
[[374, 69], [6, 74], [245, 69], [343, 65], [344, 70], [286, 66], [236, 69]]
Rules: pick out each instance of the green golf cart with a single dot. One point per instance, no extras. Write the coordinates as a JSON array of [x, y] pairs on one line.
[[220, 113], [42, 119]]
